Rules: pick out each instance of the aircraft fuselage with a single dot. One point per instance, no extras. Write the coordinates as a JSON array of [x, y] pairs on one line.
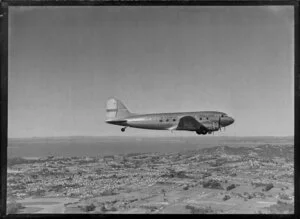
[[202, 122], [165, 121]]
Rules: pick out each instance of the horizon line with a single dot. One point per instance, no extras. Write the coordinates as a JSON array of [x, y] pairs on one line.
[[99, 136]]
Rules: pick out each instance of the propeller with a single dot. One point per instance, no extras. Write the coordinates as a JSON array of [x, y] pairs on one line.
[[219, 124]]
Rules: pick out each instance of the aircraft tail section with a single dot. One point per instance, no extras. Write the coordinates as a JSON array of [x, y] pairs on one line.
[[115, 109]]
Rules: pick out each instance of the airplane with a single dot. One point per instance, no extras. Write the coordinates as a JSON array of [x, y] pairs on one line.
[[202, 122]]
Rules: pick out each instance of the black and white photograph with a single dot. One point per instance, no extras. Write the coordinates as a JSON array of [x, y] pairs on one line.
[[166, 109]]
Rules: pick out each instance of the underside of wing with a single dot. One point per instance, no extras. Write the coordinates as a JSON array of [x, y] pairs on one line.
[[189, 123], [172, 128]]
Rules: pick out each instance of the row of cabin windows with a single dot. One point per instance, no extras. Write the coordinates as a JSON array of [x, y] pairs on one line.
[[207, 117], [167, 120]]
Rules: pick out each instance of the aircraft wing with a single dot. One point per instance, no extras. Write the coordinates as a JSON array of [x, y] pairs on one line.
[[191, 124]]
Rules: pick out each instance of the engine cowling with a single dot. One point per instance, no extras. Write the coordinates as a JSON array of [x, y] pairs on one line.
[[213, 127]]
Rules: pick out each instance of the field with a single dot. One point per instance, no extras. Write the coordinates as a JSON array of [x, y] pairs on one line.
[[246, 176]]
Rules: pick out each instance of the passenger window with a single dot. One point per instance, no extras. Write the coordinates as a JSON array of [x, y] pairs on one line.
[[167, 120], [174, 120], [200, 118], [160, 120]]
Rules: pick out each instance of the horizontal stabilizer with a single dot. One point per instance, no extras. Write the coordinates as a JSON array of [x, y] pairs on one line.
[[117, 122]]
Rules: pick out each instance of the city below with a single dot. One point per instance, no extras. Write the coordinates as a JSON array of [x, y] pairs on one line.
[[247, 177]]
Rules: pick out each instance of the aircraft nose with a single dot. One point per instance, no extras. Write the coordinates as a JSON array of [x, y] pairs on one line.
[[230, 120]]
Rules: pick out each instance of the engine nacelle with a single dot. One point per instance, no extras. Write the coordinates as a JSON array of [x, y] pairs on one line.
[[213, 127], [201, 132]]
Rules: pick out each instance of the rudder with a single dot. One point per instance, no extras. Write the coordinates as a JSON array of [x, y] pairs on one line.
[[115, 109]]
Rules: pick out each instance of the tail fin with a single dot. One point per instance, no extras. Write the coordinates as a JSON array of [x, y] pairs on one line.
[[115, 109]]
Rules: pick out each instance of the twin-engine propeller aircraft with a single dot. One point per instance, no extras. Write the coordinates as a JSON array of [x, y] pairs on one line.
[[203, 122]]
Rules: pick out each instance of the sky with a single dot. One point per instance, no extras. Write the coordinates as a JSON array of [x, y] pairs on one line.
[[65, 62]]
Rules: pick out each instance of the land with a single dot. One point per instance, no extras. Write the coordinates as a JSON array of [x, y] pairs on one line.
[[216, 180]]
